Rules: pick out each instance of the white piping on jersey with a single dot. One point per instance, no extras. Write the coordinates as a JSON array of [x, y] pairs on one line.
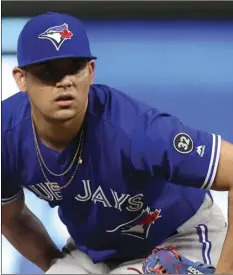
[[213, 162], [216, 162], [13, 198]]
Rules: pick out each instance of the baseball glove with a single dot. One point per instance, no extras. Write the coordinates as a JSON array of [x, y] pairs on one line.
[[166, 260]]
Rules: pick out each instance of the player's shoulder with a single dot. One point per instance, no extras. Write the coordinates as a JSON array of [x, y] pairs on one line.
[[15, 109], [119, 109]]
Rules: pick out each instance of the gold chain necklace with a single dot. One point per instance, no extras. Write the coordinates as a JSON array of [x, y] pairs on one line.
[[42, 162]]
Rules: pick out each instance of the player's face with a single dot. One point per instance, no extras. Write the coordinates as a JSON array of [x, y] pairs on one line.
[[57, 89]]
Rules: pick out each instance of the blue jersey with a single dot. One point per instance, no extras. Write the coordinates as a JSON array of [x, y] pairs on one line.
[[144, 173]]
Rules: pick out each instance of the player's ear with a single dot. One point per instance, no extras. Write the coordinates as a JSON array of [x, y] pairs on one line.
[[20, 78], [91, 66]]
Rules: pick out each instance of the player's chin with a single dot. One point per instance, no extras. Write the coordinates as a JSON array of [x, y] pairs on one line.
[[65, 114]]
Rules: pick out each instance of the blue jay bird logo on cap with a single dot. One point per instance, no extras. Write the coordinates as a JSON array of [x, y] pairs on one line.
[[57, 35]]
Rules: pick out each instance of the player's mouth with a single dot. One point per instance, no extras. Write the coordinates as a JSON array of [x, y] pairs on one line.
[[64, 100]]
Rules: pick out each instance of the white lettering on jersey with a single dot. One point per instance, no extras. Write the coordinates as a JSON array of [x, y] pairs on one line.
[[54, 190], [50, 192], [87, 189], [99, 196], [135, 203], [44, 196], [119, 200], [47, 191]]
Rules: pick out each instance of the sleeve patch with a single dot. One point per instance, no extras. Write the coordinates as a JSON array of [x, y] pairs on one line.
[[183, 143]]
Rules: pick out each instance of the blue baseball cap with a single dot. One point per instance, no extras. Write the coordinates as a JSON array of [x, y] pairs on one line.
[[52, 36]]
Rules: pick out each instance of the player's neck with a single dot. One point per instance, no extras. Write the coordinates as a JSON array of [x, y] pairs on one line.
[[57, 136]]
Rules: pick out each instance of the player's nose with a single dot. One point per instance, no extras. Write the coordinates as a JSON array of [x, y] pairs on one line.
[[64, 82]]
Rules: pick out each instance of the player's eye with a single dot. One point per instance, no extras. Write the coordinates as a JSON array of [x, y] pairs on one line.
[[78, 66], [54, 71], [42, 72]]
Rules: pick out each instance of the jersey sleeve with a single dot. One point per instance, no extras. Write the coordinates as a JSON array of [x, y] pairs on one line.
[[163, 145], [10, 190], [10, 187]]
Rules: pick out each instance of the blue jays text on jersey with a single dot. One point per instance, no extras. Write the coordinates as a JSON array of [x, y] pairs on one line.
[[140, 168]]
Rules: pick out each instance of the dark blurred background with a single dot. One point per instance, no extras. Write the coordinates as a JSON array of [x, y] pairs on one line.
[[123, 10], [177, 56]]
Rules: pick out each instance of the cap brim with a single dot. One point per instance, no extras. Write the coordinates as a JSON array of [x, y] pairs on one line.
[[57, 58]]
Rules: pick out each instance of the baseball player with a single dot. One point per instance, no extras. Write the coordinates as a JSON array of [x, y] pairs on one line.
[[125, 176]]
